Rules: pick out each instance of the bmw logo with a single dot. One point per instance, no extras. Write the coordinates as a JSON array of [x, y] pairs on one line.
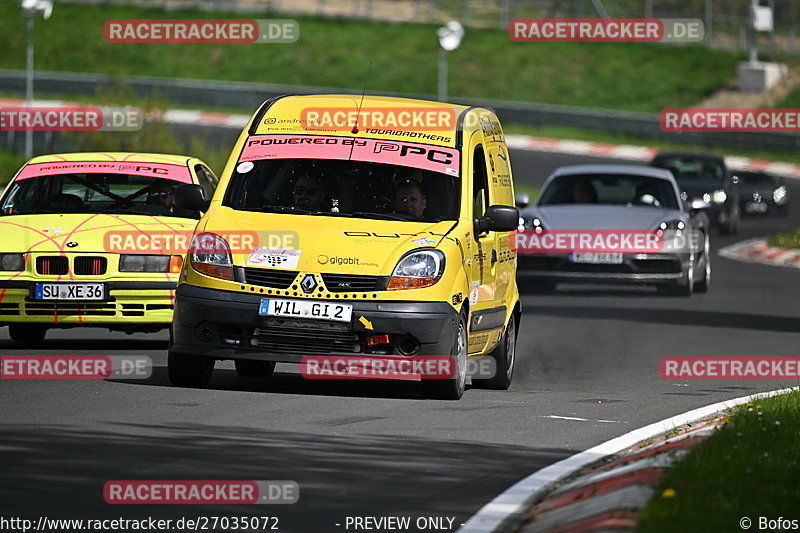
[[72, 244]]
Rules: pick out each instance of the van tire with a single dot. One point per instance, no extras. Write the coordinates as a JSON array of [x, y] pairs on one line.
[[451, 389], [27, 334], [254, 369], [192, 371], [504, 355]]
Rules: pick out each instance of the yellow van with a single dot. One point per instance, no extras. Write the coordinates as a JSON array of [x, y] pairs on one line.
[[384, 227]]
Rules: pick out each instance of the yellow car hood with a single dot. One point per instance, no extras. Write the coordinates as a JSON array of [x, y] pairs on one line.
[[325, 244], [52, 232]]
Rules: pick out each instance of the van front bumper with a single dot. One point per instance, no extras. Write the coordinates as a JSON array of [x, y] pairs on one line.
[[226, 325]]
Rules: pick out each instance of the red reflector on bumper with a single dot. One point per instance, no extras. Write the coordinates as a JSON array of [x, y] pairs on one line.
[[372, 340]]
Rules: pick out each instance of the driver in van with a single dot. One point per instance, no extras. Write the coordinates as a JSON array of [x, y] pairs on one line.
[[308, 192], [409, 199]]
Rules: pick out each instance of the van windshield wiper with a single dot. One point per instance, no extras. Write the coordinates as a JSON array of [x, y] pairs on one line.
[[279, 209], [384, 216]]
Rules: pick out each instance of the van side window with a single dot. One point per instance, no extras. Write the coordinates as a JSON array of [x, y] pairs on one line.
[[206, 180], [480, 187]]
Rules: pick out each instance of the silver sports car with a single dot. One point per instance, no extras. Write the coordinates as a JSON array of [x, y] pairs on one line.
[[614, 223]]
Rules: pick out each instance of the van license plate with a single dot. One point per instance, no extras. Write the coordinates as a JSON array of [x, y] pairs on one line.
[[306, 309], [70, 291]]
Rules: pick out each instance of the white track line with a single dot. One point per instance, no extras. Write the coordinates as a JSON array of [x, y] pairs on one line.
[[516, 499]]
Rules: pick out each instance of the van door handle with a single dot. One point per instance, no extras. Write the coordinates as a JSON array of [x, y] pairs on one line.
[[494, 256]]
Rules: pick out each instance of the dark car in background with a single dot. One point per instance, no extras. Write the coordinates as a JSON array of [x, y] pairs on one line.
[[762, 193], [705, 177]]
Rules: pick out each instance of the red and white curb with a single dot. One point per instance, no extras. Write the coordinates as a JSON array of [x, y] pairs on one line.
[[637, 153], [613, 493], [758, 251], [515, 141], [513, 504]]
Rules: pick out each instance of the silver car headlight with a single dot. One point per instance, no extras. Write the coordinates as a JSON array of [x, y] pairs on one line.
[[779, 195]]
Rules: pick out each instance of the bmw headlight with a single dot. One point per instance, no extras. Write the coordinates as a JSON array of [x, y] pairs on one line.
[[12, 262], [779, 195], [150, 263], [418, 269], [719, 197]]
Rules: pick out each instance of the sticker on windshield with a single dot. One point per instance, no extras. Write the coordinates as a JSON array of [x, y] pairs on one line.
[[245, 167], [414, 155], [155, 170], [285, 258]]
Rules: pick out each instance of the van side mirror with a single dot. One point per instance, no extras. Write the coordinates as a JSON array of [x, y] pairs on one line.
[[522, 200], [498, 218], [191, 197]]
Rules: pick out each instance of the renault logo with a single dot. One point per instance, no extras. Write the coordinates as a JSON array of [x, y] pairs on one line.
[[309, 283]]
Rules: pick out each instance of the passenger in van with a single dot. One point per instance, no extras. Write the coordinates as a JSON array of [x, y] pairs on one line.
[[409, 199], [308, 192]]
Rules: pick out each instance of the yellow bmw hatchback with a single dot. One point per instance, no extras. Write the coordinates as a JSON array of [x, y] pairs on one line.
[[94, 239]]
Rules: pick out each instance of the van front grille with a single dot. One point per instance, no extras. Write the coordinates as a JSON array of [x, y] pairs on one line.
[[267, 277], [350, 282]]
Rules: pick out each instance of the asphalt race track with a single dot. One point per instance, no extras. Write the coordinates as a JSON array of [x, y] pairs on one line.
[[376, 448]]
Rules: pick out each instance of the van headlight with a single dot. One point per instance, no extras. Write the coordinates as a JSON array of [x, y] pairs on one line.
[[719, 197], [12, 262], [418, 269], [210, 254]]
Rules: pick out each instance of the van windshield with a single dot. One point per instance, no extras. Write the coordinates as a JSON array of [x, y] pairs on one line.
[[355, 189]]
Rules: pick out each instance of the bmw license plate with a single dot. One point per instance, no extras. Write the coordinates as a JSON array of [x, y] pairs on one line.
[[606, 258], [306, 309], [70, 291]]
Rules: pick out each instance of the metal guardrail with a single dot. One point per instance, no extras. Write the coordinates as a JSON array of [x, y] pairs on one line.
[[251, 95]]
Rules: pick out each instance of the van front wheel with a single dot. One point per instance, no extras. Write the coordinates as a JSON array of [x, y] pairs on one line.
[[453, 388], [504, 356]]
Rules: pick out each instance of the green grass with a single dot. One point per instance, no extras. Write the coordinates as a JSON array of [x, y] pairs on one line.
[[789, 239], [530, 190], [747, 469], [792, 100], [559, 132], [337, 52], [10, 163]]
